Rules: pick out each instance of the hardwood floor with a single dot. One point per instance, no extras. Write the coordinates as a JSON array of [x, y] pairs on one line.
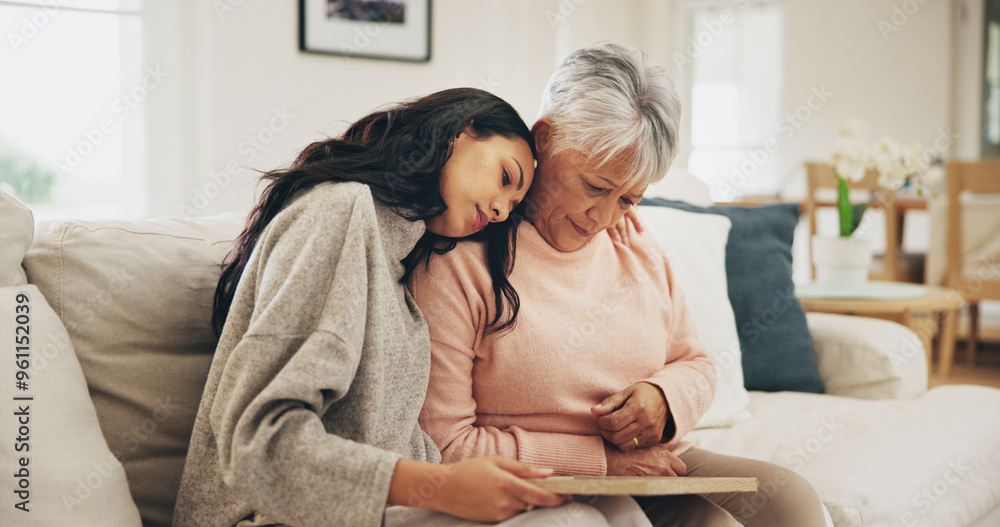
[[985, 371]]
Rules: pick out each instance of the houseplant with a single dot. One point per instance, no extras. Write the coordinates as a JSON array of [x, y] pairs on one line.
[[843, 261]]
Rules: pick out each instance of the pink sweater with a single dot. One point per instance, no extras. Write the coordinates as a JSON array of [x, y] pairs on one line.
[[592, 322]]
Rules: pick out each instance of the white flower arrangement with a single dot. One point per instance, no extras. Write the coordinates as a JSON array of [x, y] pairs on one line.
[[897, 166]]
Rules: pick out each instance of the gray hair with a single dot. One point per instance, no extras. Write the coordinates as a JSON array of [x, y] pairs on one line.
[[608, 102]]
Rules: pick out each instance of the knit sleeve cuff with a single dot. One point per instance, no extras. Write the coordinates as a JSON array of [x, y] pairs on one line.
[[688, 395], [565, 454], [371, 501]]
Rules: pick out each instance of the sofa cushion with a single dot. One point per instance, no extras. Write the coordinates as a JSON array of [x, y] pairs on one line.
[[16, 231], [136, 299], [932, 461], [777, 348], [695, 245], [868, 358], [57, 466]]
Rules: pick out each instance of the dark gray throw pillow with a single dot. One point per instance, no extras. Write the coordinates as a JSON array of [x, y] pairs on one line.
[[778, 351]]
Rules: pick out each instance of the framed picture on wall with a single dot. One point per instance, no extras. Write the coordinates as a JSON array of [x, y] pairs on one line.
[[382, 29]]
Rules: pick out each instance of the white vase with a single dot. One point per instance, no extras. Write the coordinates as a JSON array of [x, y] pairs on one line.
[[841, 262]]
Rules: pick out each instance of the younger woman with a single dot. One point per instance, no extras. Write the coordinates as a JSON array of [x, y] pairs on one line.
[[309, 415]]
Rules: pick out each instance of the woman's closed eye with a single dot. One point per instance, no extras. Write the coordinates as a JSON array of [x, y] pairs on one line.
[[593, 189], [506, 178], [598, 191]]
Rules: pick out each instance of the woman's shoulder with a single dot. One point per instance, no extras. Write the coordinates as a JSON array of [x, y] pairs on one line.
[[334, 194], [467, 254], [328, 208], [464, 263], [330, 204]]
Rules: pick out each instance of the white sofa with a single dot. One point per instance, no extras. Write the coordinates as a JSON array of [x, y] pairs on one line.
[[134, 298]]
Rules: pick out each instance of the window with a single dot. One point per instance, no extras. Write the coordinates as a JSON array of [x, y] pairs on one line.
[[734, 51], [72, 113]]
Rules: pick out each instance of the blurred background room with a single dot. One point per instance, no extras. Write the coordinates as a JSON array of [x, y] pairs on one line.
[[124, 109]]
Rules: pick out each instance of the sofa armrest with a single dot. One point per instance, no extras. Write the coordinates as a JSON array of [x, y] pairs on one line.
[[868, 358]]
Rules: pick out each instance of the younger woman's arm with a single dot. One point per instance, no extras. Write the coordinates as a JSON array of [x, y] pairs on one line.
[[488, 489], [298, 355]]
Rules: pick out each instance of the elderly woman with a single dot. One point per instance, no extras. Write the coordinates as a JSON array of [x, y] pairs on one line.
[[597, 370]]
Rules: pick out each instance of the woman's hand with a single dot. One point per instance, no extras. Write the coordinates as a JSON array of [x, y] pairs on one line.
[[653, 461], [620, 231], [485, 489], [633, 418]]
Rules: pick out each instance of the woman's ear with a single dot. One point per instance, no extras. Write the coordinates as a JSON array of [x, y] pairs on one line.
[[543, 135]]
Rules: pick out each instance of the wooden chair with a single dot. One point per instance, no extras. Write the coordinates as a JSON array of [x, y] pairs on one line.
[[822, 176], [982, 177]]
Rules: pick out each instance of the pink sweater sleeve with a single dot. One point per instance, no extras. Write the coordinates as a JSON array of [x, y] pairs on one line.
[[688, 377], [454, 294]]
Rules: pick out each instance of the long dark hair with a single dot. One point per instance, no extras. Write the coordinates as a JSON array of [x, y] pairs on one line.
[[398, 152]]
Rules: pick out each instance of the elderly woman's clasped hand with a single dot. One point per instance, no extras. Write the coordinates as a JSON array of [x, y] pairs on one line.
[[633, 418], [632, 423], [656, 460]]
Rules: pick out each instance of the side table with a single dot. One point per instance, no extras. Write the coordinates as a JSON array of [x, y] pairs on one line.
[[915, 309]]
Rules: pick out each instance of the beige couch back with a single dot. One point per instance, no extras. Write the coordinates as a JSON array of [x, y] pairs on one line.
[[136, 299]]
